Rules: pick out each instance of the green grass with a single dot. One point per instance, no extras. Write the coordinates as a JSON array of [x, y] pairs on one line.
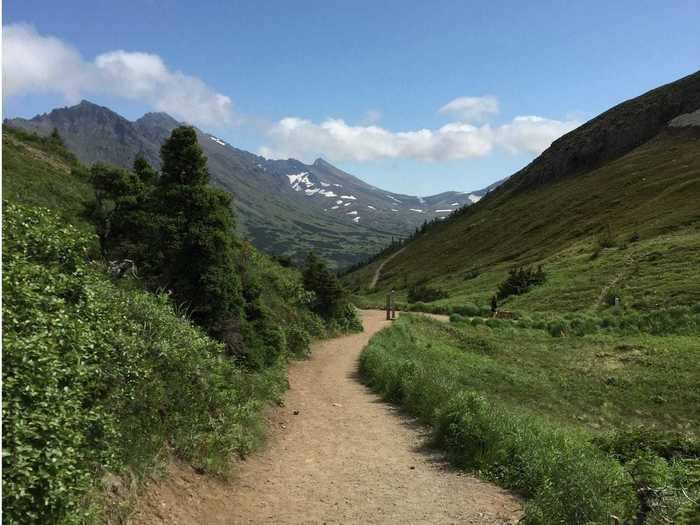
[[522, 407], [38, 173], [652, 191]]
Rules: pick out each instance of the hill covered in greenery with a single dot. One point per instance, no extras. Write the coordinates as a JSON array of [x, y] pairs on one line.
[[136, 326], [626, 219], [568, 371]]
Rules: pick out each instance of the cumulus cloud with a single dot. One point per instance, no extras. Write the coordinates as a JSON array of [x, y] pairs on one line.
[[471, 109], [34, 63], [339, 141]]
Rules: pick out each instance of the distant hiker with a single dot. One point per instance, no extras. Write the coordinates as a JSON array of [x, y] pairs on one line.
[[494, 305]]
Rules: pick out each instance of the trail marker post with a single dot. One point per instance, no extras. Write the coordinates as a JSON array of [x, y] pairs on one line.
[[390, 306]]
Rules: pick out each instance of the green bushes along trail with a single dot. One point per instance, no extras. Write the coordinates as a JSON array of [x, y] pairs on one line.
[[135, 326]]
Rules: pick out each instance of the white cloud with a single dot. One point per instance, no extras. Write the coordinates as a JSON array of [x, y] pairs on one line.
[[531, 134], [471, 109], [33, 63], [339, 141]]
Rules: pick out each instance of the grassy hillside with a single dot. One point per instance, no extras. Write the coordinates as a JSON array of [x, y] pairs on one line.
[[37, 171], [633, 223], [585, 426]]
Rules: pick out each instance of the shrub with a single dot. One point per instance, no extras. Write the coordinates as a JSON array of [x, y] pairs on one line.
[[468, 309], [471, 274], [605, 238], [425, 293], [610, 296], [97, 379], [558, 328], [456, 318], [520, 280], [298, 341]]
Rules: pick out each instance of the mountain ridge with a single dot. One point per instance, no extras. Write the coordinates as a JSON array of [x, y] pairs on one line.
[[284, 205], [640, 198]]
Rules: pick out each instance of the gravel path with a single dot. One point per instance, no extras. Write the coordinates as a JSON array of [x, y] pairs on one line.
[[337, 454]]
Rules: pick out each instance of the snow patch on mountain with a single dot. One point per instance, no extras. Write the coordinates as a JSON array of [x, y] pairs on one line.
[[414, 209], [474, 198], [356, 219], [299, 180], [371, 207], [443, 211], [217, 140], [349, 197], [353, 212]]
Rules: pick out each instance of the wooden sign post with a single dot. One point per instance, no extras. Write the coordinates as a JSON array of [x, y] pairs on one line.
[[390, 306]]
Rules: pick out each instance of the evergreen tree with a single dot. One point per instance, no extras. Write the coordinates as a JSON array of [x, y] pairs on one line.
[[330, 297], [144, 171], [197, 243], [119, 195]]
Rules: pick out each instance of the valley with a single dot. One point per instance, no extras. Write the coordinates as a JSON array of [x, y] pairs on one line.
[[195, 333]]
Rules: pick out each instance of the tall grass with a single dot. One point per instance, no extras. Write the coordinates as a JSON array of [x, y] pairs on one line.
[[565, 477]]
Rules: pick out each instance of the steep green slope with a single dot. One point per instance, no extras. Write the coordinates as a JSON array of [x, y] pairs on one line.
[[632, 224], [38, 172]]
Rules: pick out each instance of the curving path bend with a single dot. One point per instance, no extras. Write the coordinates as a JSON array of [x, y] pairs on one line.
[[345, 457]]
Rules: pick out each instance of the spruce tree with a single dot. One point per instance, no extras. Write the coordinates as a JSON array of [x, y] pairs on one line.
[[197, 243]]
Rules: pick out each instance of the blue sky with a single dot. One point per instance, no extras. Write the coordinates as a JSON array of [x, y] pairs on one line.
[[359, 83]]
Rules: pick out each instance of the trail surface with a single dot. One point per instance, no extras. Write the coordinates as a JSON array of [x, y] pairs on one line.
[[345, 457], [378, 271]]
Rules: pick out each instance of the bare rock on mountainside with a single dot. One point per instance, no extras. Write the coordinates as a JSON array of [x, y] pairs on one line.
[[612, 133]]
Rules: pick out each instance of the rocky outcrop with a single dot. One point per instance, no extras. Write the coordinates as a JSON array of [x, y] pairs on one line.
[[611, 134]]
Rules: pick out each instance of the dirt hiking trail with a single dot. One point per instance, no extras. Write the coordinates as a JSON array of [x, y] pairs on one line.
[[345, 457], [378, 271]]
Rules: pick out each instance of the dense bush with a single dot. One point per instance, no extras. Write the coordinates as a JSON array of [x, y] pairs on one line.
[[520, 280], [423, 293], [99, 379], [330, 300]]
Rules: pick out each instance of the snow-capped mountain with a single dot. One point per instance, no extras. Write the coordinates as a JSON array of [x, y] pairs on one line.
[[283, 206]]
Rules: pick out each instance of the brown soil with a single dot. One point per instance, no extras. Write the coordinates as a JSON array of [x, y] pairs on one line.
[[345, 457]]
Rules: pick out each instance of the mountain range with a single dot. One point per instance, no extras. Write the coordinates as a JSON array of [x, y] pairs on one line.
[[284, 207]]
